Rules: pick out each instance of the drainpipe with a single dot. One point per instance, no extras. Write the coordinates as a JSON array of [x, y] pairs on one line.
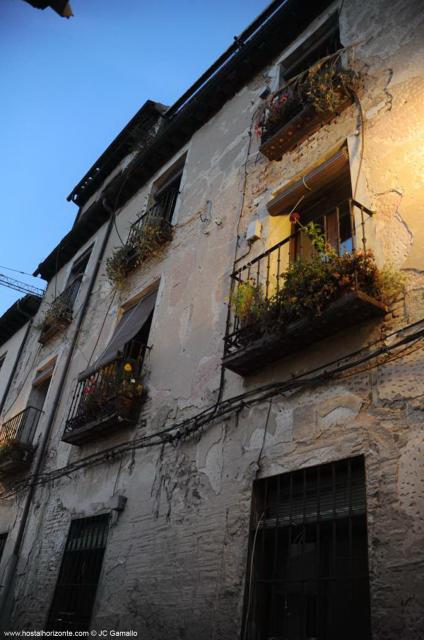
[[11, 570]]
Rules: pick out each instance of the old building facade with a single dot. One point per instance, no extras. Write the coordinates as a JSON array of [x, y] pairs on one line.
[[186, 472]]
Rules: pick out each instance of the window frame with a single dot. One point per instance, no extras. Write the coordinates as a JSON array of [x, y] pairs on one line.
[[54, 611], [324, 501]]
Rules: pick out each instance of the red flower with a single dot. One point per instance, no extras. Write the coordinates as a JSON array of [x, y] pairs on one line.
[[294, 217]]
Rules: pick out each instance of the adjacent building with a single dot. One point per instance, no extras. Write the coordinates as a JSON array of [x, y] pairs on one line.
[[217, 407]]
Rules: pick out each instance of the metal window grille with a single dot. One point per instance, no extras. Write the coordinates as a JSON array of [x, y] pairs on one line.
[[3, 538], [307, 575], [79, 574]]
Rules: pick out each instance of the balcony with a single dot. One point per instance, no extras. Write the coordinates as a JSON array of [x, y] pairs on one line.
[[105, 400], [297, 110], [146, 238], [16, 438], [59, 314], [293, 295]]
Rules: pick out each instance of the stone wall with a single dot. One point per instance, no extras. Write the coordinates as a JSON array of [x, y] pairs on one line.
[[176, 556]]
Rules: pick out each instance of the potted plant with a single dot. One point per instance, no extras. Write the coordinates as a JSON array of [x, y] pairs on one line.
[[305, 103], [145, 241], [308, 288], [115, 391], [56, 318]]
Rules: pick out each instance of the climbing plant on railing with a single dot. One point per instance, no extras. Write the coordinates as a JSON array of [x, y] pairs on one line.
[[307, 287], [145, 241], [325, 87]]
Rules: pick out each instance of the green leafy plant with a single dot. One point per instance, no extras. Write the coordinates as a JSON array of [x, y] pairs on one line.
[[308, 287], [118, 383], [247, 301], [59, 313], [391, 283], [13, 447], [145, 242], [117, 265], [325, 86]]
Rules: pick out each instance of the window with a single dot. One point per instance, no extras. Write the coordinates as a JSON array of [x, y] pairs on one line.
[[308, 556], [165, 192], [131, 334], [323, 42], [135, 348], [27, 421], [79, 575], [328, 206], [109, 393], [75, 277], [41, 384], [3, 538]]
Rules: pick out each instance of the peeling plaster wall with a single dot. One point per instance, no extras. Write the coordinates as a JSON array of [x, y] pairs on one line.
[[176, 556], [10, 350]]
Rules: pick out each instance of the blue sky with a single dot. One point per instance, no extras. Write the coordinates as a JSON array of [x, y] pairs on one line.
[[70, 86]]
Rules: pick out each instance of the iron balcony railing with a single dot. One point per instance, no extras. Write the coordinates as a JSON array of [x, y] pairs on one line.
[[343, 227], [290, 99], [113, 390], [59, 313], [21, 428], [160, 214], [63, 304]]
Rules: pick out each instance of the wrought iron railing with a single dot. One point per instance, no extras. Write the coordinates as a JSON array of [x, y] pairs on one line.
[[59, 313], [114, 389], [265, 274], [160, 214], [289, 100], [21, 428], [64, 302], [68, 296]]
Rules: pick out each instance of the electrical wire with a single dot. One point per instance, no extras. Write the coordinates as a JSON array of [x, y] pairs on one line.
[[249, 591], [102, 326], [189, 426], [243, 198], [258, 462], [24, 273]]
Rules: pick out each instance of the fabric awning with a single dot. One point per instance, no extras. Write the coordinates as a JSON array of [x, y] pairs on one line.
[[309, 185], [130, 324]]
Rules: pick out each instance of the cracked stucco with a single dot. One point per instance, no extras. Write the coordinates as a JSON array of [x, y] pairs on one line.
[[175, 561]]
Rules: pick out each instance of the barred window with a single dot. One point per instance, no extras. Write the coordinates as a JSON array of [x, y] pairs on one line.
[[79, 575], [307, 575]]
